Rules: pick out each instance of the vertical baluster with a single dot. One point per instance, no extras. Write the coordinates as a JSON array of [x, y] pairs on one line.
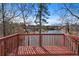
[[47, 40], [4, 47], [1, 51], [60, 40], [18, 39], [1, 48], [76, 49], [9, 47], [64, 40], [50, 40], [34, 41], [56, 39], [71, 44], [31, 39], [77, 46], [10, 44], [53, 41], [28, 40], [36, 38], [67, 42], [42, 40]]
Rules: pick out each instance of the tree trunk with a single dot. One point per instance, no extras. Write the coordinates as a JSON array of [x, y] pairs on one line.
[[67, 28], [40, 17], [3, 15]]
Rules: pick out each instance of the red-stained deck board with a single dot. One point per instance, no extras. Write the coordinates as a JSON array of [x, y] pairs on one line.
[[54, 50], [46, 50]]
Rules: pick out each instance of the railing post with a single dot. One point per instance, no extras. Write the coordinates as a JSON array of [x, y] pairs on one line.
[[28, 40], [17, 43]]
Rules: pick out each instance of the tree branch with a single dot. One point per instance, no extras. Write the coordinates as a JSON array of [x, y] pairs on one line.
[[71, 11]]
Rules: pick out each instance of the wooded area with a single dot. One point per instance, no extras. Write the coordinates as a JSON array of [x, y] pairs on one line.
[[12, 14]]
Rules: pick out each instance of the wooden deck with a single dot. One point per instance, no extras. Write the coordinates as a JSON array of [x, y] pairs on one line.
[[29, 45], [42, 51]]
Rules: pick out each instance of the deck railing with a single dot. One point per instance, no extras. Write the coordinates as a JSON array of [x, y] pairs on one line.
[[72, 43], [10, 43], [46, 39]]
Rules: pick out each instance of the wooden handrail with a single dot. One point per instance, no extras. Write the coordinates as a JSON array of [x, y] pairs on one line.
[[38, 34], [9, 36]]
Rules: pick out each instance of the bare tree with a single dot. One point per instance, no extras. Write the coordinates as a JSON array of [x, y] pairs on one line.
[[26, 12], [66, 21], [7, 15], [73, 11], [69, 15], [70, 11]]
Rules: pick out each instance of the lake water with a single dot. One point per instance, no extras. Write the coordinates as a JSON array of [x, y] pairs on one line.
[[54, 32], [34, 40]]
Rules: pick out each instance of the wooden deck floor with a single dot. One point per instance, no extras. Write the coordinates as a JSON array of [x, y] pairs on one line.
[[42, 51]]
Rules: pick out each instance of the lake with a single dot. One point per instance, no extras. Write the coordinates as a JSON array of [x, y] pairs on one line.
[[54, 32], [47, 39]]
